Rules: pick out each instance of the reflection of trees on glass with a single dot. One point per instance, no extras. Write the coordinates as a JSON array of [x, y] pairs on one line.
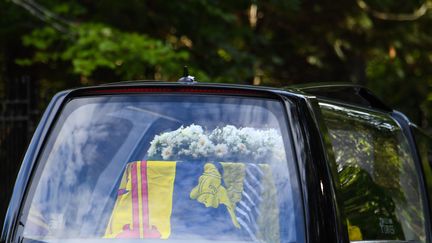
[[424, 144], [378, 181]]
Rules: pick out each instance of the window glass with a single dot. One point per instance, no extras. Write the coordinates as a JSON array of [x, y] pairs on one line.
[[167, 167], [379, 185], [424, 144]]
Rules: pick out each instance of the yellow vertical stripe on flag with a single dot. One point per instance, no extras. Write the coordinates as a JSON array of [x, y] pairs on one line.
[[160, 179], [121, 214], [233, 176], [268, 222], [140, 202]]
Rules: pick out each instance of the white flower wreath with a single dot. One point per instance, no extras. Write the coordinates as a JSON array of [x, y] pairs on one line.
[[228, 142]]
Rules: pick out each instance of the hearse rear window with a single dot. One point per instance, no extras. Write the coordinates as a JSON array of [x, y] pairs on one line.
[[379, 185], [169, 168]]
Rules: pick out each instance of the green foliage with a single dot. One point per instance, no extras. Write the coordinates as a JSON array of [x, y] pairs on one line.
[[93, 46], [274, 42]]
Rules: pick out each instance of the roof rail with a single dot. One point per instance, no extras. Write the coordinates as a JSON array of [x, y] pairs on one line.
[[348, 93]]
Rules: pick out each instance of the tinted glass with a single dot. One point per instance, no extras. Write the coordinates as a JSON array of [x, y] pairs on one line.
[[167, 167], [379, 185], [424, 144]]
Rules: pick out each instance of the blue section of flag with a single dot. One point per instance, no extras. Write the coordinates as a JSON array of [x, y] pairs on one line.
[[247, 209], [192, 219]]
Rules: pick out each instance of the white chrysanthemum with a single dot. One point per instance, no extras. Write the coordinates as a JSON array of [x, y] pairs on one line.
[[203, 141], [220, 150], [167, 153]]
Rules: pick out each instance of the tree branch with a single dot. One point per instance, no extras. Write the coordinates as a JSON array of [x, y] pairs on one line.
[[418, 13], [45, 15]]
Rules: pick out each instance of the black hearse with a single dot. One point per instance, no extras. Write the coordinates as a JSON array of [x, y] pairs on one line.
[[193, 162]]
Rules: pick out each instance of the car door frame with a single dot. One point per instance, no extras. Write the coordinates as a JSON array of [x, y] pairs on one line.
[[317, 170]]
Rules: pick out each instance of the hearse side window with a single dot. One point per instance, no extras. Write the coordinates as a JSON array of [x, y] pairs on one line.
[[379, 186], [195, 168], [424, 144]]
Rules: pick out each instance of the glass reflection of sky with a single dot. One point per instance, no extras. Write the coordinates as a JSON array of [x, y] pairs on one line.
[[96, 137]]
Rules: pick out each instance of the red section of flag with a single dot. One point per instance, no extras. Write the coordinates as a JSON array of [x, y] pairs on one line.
[[148, 231]]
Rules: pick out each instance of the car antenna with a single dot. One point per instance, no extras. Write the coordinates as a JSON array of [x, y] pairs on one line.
[[186, 78]]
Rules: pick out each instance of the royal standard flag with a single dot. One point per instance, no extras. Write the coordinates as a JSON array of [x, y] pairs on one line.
[[178, 200]]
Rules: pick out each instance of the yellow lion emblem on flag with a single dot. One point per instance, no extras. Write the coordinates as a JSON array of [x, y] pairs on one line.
[[211, 193]]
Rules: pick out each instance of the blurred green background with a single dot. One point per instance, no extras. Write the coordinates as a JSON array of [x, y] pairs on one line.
[[383, 44]]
